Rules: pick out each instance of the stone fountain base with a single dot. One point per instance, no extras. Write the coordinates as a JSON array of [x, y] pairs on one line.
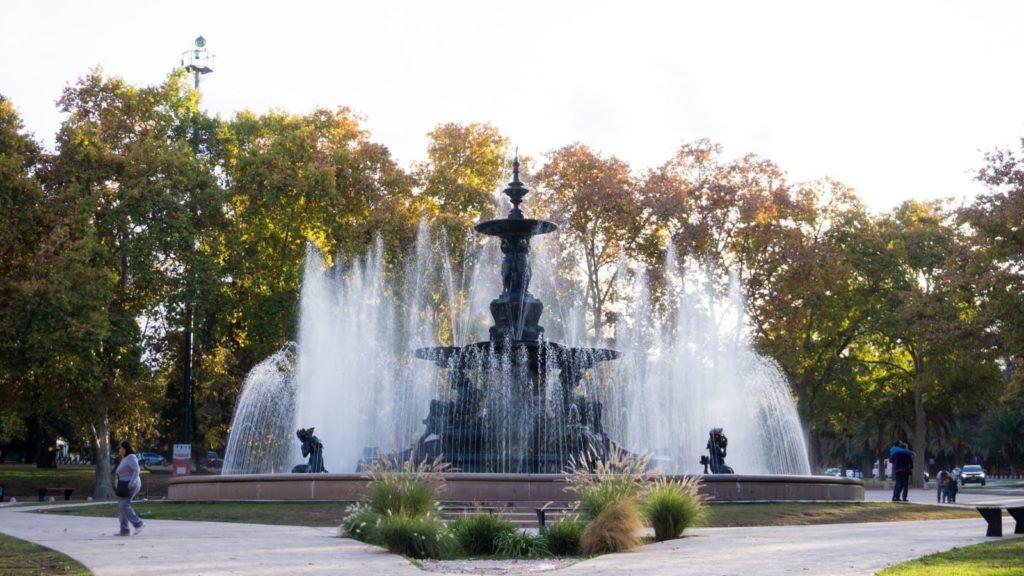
[[498, 488]]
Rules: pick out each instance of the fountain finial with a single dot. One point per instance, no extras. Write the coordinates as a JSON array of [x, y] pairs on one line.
[[516, 190]]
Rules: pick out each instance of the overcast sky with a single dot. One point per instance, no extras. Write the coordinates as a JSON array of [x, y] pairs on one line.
[[897, 99]]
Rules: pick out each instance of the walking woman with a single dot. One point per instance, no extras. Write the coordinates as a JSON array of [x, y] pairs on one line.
[[128, 483]]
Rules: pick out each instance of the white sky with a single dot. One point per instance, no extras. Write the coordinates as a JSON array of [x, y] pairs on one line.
[[897, 99]]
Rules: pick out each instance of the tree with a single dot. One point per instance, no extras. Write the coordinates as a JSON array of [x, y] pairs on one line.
[[928, 340], [594, 201], [808, 307], [293, 180], [22, 222], [124, 190]]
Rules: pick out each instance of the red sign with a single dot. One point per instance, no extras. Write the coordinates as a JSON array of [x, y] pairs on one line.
[[182, 462]]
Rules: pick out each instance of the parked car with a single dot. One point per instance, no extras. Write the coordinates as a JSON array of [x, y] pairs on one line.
[[152, 459], [211, 460], [833, 472], [972, 474]]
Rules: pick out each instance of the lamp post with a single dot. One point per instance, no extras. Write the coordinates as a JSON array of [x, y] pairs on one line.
[[199, 60]]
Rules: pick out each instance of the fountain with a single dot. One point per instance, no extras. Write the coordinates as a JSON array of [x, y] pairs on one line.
[[509, 411]]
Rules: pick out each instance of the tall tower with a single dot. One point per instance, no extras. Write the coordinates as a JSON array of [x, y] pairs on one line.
[[199, 60]]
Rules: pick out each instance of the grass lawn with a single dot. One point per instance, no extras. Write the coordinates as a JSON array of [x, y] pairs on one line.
[[805, 513], [1002, 558], [279, 513], [20, 558], [22, 481], [719, 515]]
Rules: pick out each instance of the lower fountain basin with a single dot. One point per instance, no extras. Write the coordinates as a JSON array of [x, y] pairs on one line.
[[498, 488], [480, 354]]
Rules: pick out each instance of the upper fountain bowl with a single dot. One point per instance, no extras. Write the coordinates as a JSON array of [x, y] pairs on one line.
[[516, 227]]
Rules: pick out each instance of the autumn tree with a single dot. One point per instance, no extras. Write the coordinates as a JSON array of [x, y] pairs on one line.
[[928, 342], [808, 307], [994, 270], [593, 200]]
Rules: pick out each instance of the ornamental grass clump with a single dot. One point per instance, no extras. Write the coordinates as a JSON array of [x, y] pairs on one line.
[[478, 535], [563, 536], [617, 528], [598, 483], [518, 544], [423, 537], [672, 506], [608, 495], [406, 488], [401, 513]]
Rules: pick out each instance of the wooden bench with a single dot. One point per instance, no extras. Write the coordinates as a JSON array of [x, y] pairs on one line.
[[542, 515], [994, 516], [44, 491]]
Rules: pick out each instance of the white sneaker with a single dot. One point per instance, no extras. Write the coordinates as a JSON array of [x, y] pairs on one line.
[[139, 529]]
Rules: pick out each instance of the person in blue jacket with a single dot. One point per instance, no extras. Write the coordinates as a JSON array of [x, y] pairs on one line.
[[902, 459]]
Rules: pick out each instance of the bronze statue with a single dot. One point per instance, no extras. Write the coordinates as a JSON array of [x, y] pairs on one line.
[[717, 443], [313, 448]]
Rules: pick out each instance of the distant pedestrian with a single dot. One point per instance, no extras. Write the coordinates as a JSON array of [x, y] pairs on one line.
[[942, 480], [127, 485], [902, 463], [953, 489]]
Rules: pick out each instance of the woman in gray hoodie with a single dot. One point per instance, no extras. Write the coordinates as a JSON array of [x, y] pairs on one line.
[[128, 471]]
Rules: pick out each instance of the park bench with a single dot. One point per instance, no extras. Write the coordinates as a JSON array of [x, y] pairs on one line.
[[543, 512], [44, 491], [994, 516], [467, 510]]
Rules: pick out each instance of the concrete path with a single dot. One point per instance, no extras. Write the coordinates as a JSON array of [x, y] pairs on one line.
[[214, 549], [169, 547]]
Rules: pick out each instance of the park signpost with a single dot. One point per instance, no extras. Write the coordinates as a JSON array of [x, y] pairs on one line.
[[182, 462]]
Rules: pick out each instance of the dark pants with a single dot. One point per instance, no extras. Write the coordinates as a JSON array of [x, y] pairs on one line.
[[902, 485]]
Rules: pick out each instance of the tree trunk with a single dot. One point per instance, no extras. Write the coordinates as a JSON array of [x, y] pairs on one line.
[[814, 449], [100, 441], [920, 433]]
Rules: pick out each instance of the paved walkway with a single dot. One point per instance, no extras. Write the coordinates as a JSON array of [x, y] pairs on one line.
[[214, 549]]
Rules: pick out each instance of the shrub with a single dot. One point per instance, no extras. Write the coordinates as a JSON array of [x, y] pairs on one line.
[[599, 483], [360, 522], [518, 544], [563, 536], [424, 537], [617, 528], [672, 506], [478, 535], [405, 488]]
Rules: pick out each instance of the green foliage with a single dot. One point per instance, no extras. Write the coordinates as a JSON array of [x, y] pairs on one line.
[[360, 522], [402, 495], [563, 536], [405, 488], [423, 537], [672, 506], [1003, 436], [400, 513], [521, 544], [479, 535], [622, 476], [616, 529]]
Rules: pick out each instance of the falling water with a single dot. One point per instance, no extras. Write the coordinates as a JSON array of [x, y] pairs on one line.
[[686, 366], [261, 431], [692, 369]]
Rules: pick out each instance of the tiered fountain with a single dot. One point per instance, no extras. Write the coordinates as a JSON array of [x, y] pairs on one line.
[[505, 417], [509, 412]]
